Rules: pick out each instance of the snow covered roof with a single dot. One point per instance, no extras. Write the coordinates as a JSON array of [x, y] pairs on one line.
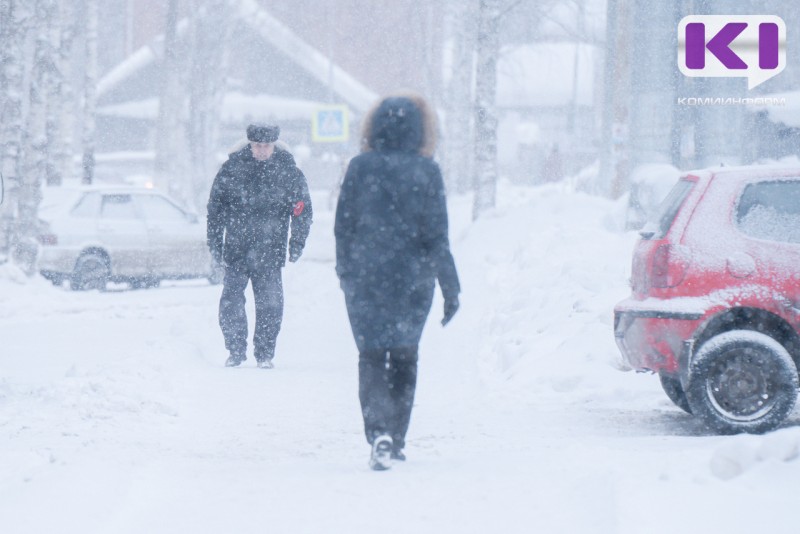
[[314, 62], [306, 56], [236, 108], [134, 63], [542, 74], [131, 65]]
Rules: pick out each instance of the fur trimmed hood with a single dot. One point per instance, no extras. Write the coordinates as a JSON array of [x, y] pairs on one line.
[[403, 122]]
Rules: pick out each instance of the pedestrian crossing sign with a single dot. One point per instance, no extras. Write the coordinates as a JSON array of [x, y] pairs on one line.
[[330, 125]]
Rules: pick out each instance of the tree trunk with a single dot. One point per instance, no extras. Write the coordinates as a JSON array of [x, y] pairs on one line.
[[169, 142], [14, 25], [60, 100], [457, 138], [35, 141], [488, 47], [90, 92]]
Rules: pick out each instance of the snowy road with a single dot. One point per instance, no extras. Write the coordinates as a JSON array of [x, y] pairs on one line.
[[116, 414]]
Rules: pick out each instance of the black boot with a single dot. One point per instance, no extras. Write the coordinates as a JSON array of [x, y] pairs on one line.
[[381, 458], [235, 359]]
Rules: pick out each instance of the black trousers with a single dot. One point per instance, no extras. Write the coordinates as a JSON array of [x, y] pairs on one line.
[[268, 295], [386, 386]]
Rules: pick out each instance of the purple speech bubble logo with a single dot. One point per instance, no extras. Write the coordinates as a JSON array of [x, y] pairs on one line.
[[751, 46]]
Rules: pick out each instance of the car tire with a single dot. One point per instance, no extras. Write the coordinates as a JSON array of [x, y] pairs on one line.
[[674, 390], [146, 282], [54, 278], [742, 381], [91, 272]]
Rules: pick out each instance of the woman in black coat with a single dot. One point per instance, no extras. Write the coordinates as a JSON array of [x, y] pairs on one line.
[[391, 247]]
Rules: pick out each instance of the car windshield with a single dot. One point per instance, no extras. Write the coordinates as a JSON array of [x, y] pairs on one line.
[[118, 207], [660, 224], [88, 206]]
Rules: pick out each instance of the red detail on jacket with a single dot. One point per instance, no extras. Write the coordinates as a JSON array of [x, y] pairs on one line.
[[298, 208]]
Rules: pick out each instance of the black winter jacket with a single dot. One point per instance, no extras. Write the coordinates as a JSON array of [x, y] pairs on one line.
[[391, 245], [250, 208], [391, 222], [391, 228]]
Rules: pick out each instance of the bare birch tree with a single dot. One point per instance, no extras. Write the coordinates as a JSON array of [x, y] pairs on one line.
[[457, 101], [15, 18], [487, 50], [89, 90], [168, 129], [34, 140], [492, 17], [60, 102]]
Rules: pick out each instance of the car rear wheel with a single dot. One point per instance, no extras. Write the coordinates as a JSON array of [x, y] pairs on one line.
[[91, 272], [742, 381], [674, 390]]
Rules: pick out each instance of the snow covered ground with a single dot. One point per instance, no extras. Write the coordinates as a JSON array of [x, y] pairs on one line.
[[116, 414]]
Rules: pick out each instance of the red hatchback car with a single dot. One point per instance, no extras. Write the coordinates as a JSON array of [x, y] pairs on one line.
[[715, 303]]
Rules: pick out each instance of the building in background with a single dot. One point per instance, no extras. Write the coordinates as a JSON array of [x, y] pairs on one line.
[[272, 75], [547, 101], [309, 55]]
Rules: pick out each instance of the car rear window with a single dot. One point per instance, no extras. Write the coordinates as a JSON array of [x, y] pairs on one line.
[[667, 210], [771, 210]]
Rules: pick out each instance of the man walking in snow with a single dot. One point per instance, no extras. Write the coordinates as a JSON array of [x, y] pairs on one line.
[[256, 196], [391, 248]]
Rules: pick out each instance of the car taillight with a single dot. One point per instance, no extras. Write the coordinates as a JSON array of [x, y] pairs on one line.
[[670, 263], [48, 239]]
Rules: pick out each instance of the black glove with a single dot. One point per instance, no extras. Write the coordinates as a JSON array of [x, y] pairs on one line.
[[295, 251], [450, 309]]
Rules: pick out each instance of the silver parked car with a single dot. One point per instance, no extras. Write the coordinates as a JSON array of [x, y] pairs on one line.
[[94, 235]]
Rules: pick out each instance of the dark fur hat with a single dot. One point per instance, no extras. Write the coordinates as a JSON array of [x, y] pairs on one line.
[[263, 133], [403, 121]]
